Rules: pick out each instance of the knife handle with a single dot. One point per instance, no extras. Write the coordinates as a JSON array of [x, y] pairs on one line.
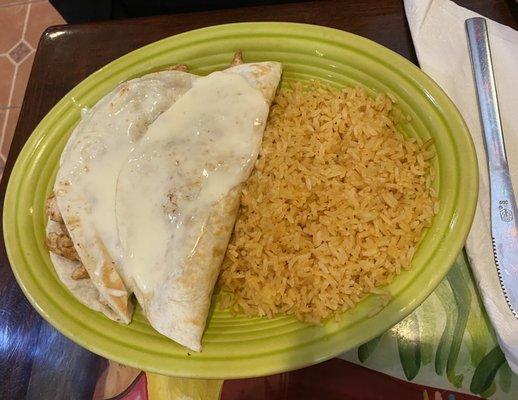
[[486, 91], [503, 203]]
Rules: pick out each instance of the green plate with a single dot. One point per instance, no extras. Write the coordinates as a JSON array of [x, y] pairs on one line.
[[236, 347]]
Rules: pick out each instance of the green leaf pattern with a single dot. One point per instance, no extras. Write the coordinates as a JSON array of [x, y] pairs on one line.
[[459, 285], [365, 350], [409, 346], [447, 343]]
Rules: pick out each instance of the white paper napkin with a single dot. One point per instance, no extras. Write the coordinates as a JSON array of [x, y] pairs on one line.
[[439, 36]]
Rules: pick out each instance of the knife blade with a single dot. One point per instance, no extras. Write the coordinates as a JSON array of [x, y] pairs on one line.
[[504, 213]]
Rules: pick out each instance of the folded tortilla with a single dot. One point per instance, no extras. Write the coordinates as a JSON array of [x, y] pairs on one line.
[[178, 195], [148, 191], [87, 178]]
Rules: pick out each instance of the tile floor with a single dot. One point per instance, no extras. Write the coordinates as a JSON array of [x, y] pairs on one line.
[[23, 22]]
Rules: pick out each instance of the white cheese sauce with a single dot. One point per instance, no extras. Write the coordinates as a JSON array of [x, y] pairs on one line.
[[90, 164], [204, 145]]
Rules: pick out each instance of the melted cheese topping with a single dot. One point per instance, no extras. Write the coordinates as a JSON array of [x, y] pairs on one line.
[[191, 157], [86, 183]]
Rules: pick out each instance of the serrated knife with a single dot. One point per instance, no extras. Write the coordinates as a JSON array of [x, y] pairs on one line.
[[504, 213]]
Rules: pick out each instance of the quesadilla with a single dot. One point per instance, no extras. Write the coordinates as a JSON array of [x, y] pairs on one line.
[[148, 189]]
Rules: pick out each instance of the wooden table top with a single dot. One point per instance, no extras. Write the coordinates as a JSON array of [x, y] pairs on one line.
[[35, 360]]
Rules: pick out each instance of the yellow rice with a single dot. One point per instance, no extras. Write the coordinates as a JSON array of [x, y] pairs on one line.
[[335, 207]]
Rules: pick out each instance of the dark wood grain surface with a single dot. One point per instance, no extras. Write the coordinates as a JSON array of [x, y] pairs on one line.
[[36, 362]]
